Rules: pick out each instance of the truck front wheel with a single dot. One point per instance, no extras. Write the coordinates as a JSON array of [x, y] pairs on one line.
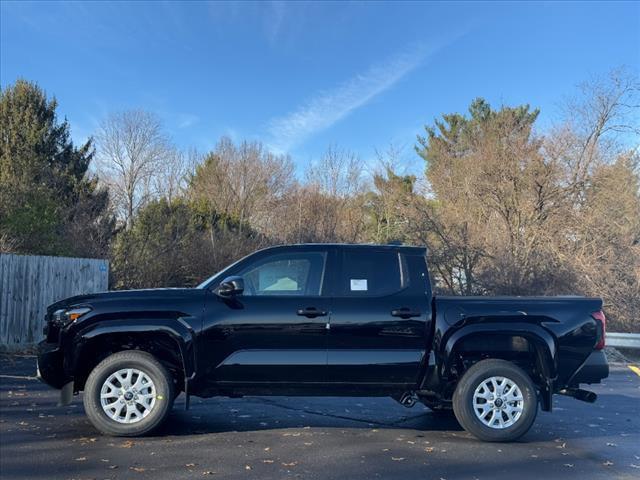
[[128, 394], [496, 401]]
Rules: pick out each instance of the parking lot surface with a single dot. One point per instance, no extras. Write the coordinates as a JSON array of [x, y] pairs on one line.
[[314, 438]]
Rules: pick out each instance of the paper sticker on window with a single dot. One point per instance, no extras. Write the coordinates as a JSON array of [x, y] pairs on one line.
[[358, 284]]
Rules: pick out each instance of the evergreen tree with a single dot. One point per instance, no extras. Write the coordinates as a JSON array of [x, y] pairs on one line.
[[44, 186]]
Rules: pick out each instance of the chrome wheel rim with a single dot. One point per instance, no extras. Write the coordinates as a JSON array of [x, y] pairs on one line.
[[498, 402], [128, 395]]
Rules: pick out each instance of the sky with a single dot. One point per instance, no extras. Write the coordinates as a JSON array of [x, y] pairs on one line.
[[301, 77]]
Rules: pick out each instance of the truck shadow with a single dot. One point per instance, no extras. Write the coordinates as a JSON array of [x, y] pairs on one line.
[[221, 415]]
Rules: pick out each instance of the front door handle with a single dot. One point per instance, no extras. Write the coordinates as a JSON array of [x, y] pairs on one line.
[[405, 312], [311, 312]]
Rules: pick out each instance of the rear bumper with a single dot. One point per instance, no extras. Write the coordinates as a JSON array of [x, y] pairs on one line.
[[594, 369], [50, 365]]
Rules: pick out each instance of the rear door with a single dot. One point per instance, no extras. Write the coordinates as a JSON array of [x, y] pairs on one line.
[[379, 317]]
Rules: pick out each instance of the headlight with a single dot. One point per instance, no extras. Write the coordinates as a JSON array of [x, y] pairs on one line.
[[63, 317]]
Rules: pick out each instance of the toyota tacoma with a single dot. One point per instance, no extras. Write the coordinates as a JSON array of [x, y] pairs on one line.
[[323, 319]]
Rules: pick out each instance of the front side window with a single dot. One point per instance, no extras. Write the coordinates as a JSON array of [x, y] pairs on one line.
[[286, 274], [371, 273]]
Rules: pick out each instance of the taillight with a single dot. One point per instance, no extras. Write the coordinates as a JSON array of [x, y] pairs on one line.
[[603, 325]]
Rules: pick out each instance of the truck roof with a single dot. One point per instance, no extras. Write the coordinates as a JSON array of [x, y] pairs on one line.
[[390, 246]]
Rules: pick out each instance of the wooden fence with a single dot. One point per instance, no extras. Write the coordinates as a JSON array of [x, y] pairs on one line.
[[29, 283]]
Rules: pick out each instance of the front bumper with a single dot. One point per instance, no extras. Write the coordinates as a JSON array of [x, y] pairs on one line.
[[50, 365], [593, 369]]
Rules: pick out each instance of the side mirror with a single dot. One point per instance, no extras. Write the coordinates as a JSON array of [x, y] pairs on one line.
[[230, 287]]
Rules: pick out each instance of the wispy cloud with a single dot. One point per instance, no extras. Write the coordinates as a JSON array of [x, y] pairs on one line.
[[274, 19], [186, 120], [328, 107]]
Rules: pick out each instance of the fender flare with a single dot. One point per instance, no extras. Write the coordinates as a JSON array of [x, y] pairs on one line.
[[176, 329], [542, 340]]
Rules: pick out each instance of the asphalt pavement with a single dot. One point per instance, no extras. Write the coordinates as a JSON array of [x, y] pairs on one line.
[[314, 438]]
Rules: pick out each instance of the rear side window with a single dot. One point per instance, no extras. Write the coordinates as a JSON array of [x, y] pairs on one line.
[[371, 273]]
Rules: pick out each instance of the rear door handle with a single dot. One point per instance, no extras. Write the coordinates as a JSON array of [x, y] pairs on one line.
[[311, 312], [405, 312]]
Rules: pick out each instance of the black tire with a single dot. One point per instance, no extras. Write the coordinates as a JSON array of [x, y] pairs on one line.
[[144, 362], [463, 405]]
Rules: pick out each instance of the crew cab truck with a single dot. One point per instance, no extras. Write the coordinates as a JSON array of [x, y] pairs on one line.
[[323, 319]]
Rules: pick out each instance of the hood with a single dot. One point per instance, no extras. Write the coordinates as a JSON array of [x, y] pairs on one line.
[[118, 295]]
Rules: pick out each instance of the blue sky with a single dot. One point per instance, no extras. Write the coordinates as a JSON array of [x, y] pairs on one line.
[[303, 76]]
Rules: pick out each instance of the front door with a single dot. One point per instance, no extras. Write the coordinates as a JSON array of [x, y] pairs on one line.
[[276, 331], [379, 318]]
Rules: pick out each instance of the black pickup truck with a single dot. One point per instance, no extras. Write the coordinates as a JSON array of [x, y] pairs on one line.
[[323, 319]]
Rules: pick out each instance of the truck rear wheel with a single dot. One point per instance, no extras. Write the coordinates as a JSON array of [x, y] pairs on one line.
[[128, 394], [496, 401]]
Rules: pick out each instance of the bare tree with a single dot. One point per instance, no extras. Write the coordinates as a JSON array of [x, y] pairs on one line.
[[131, 148], [607, 110], [335, 191], [242, 181], [597, 149], [338, 173], [242, 186], [171, 177], [603, 247]]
